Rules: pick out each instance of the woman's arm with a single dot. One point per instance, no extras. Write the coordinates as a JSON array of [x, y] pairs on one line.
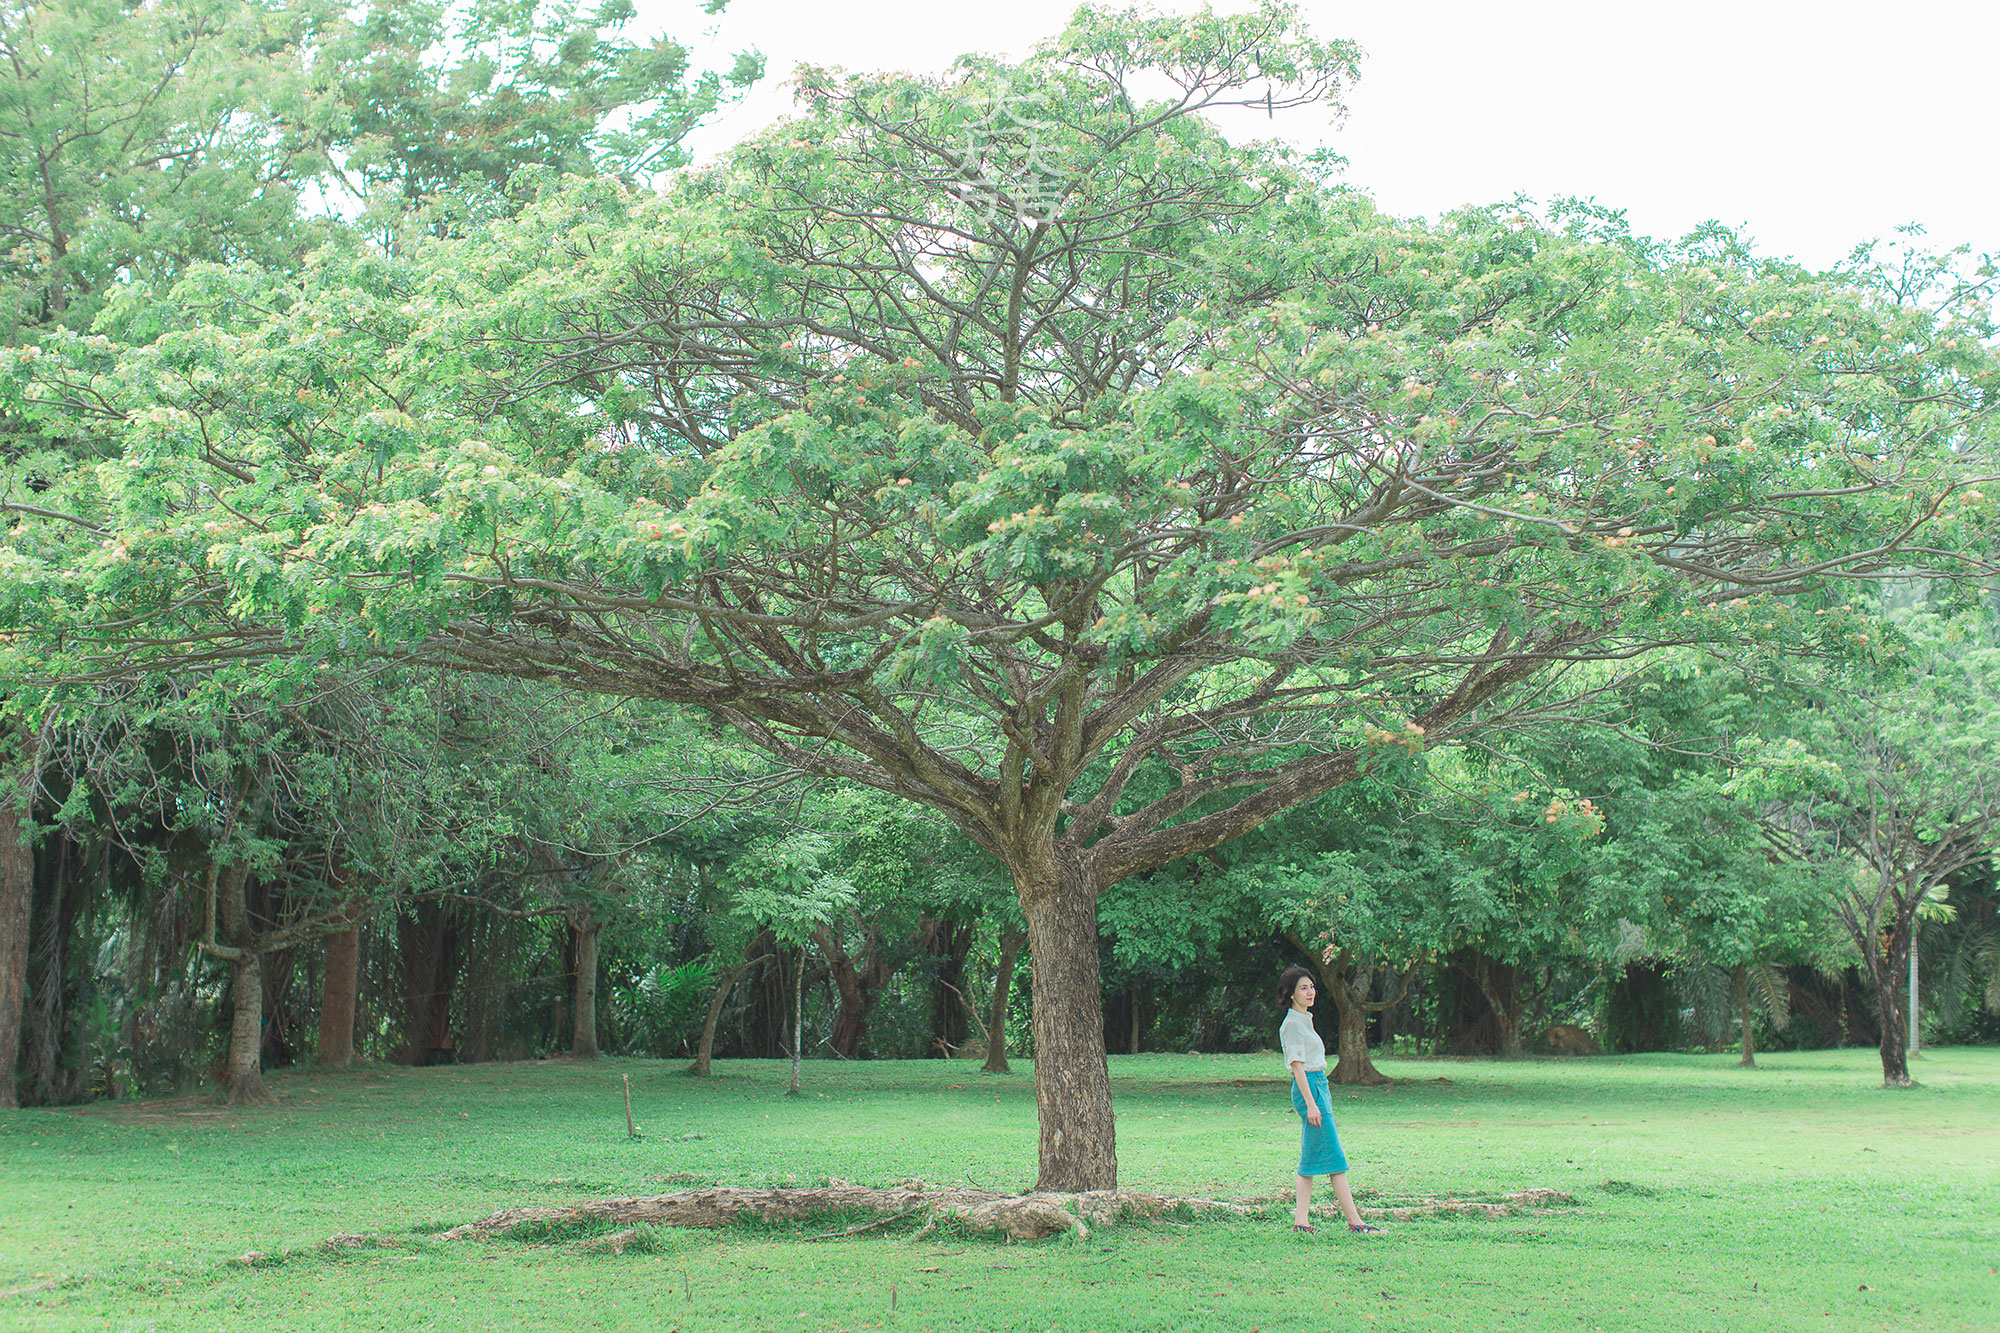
[[1305, 1091]]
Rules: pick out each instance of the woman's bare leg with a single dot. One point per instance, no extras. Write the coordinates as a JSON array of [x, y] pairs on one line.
[[1344, 1197], [1301, 1216]]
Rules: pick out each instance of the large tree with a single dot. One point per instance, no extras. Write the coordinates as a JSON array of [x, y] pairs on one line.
[[1011, 443]]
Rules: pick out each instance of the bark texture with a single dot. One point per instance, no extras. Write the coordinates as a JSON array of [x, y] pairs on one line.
[[1888, 962], [1079, 1145], [583, 1033], [1012, 941], [856, 985], [1500, 985], [243, 1075], [243, 1065], [338, 989], [725, 982], [17, 887], [948, 943]]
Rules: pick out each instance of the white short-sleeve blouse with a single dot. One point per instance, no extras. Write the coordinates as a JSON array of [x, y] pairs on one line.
[[1299, 1042]]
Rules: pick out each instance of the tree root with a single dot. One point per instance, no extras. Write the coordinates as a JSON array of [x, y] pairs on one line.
[[1020, 1216]]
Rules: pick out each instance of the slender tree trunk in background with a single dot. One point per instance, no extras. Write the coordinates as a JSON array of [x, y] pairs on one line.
[[1916, 1012], [1742, 983], [1012, 940], [338, 989], [17, 887], [583, 1038], [725, 982], [1079, 1142], [798, 1022]]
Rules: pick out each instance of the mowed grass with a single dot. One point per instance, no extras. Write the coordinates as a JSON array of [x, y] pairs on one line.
[[1795, 1195]]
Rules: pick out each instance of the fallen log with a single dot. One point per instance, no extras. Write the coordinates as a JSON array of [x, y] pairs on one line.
[[1021, 1216]]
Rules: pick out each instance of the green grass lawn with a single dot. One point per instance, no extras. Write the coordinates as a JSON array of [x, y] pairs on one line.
[[1796, 1195]]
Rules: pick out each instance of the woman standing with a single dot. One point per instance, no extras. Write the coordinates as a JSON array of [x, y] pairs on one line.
[[1319, 1143]]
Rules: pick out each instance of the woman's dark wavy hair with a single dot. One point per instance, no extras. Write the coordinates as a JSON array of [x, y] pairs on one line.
[[1289, 982]]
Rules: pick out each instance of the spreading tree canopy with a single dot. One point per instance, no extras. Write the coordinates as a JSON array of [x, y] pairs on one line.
[[1011, 442]]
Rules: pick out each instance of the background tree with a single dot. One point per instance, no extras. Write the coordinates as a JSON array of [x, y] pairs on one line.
[[1213, 473], [1889, 787]]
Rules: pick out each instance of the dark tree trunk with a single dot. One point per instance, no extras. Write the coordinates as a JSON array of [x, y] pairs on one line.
[[1889, 967], [583, 1035], [1012, 940], [1500, 986], [428, 949], [338, 989], [17, 889], [856, 988], [947, 943], [1079, 1145], [1742, 983]]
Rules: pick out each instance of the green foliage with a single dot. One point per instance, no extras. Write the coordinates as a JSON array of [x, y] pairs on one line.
[[1126, 435], [660, 1011]]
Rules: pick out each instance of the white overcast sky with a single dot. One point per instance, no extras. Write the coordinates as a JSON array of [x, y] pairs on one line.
[[1813, 126]]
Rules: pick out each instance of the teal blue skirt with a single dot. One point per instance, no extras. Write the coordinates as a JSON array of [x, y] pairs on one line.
[[1319, 1145]]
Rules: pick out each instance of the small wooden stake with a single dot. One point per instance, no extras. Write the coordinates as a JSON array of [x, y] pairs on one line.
[[631, 1130]]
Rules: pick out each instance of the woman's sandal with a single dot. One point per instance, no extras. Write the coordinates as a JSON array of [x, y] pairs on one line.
[[1364, 1229], [1306, 1227]]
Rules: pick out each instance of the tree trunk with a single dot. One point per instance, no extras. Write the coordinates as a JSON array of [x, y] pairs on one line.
[[338, 989], [1916, 1010], [1079, 1142], [17, 887], [243, 1076], [1011, 941], [1505, 1004], [798, 1022], [725, 982], [242, 1071], [947, 943], [1888, 966], [583, 1037], [427, 950], [1742, 980], [1349, 986], [856, 988]]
